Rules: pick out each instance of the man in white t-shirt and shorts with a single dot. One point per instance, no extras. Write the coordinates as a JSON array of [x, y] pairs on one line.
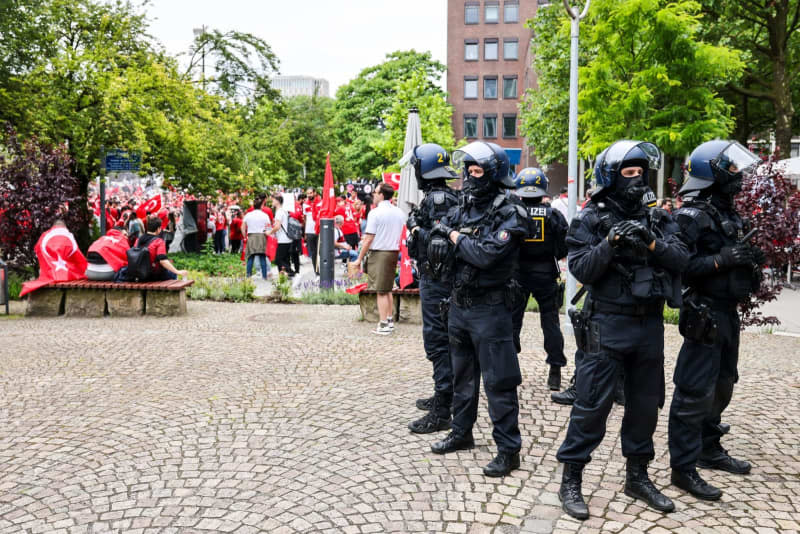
[[381, 245], [254, 226]]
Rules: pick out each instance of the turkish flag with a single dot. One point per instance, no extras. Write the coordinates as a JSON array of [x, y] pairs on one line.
[[151, 206], [406, 276], [328, 194], [113, 247], [60, 260], [393, 179], [355, 290]]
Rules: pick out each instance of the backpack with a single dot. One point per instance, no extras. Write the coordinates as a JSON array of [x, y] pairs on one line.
[[294, 229], [139, 267]]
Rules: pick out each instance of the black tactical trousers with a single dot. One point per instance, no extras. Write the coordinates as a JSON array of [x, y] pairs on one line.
[[544, 289], [704, 378], [435, 338], [481, 343], [619, 343]]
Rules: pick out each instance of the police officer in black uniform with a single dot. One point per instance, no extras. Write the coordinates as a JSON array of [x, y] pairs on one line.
[[631, 265], [431, 169], [723, 271], [480, 240], [538, 272]]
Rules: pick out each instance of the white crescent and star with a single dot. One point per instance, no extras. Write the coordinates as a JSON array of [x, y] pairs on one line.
[[55, 232]]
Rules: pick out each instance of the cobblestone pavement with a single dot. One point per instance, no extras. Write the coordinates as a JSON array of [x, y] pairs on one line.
[[290, 418]]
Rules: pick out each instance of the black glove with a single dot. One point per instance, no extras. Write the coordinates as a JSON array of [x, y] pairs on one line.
[[411, 244], [644, 233], [441, 229], [621, 233], [438, 250], [732, 256], [412, 222]]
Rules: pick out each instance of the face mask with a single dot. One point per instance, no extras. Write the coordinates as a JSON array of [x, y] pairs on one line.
[[630, 191], [476, 187]]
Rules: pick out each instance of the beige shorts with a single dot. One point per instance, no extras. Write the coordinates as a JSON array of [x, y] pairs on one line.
[[381, 268]]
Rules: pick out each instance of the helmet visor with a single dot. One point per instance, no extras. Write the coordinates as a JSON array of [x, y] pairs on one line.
[[622, 150], [737, 158], [478, 152]]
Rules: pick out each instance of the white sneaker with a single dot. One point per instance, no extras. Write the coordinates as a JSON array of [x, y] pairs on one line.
[[383, 329], [391, 325]]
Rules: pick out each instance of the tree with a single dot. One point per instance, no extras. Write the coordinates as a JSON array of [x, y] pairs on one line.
[[652, 78], [766, 31], [36, 185], [435, 116], [364, 104]]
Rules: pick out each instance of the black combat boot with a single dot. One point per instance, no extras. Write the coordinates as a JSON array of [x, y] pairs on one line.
[[425, 404], [435, 420], [568, 396], [718, 458], [724, 428], [639, 486], [502, 464], [570, 492], [692, 482], [453, 442], [554, 379]]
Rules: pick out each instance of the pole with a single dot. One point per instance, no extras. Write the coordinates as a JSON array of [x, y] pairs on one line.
[[326, 259], [572, 167], [103, 228]]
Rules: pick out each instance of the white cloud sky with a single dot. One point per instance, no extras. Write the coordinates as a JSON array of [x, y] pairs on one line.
[[331, 39]]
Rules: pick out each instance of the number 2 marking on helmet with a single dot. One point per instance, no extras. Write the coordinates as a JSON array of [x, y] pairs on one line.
[[441, 157]]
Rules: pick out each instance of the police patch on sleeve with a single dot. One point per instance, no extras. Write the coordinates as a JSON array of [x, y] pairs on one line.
[[503, 235]]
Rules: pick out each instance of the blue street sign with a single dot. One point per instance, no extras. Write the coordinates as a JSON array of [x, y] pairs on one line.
[[514, 155], [122, 161]]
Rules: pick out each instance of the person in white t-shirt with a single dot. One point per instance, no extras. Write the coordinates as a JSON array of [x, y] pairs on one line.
[[382, 241], [279, 231], [254, 226]]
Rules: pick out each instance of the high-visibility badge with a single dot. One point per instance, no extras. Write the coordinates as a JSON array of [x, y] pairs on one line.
[[503, 235]]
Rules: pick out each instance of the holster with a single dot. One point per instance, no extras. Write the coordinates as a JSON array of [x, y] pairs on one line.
[[697, 323], [512, 292], [444, 309], [579, 326]]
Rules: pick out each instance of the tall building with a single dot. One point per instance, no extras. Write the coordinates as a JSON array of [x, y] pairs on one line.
[[489, 68], [300, 85]]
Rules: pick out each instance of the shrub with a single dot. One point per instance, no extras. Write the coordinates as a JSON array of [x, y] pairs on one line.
[[283, 288], [335, 297], [220, 289]]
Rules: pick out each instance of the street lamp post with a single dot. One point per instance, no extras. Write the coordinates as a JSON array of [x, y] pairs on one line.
[[572, 167]]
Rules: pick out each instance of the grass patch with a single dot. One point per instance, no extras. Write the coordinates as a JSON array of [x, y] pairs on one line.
[[225, 265], [220, 289], [334, 297]]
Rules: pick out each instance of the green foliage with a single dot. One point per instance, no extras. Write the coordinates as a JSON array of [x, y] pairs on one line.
[[671, 315], [283, 288], [435, 116], [226, 265], [15, 281], [220, 289], [363, 106], [333, 297], [652, 77]]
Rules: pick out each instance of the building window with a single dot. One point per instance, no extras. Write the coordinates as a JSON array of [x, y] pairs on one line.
[[510, 49], [511, 12], [472, 13], [509, 125], [470, 126], [795, 150], [471, 50], [509, 87], [490, 126], [490, 49], [491, 13], [471, 87], [490, 87]]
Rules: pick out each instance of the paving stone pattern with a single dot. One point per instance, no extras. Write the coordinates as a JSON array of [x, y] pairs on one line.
[[291, 418]]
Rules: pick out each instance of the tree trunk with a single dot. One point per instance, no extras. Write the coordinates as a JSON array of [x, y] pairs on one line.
[[784, 110]]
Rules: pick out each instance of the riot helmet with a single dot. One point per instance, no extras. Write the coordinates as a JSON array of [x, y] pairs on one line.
[[721, 164], [490, 157], [531, 182], [431, 163], [625, 188]]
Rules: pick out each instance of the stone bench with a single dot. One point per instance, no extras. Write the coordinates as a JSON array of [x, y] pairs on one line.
[[407, 306], [84, 298]]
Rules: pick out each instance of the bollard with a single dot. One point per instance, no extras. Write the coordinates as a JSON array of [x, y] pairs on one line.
[[326, 259], [4, 285]]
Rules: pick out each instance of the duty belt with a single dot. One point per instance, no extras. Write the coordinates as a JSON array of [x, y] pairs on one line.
[[650, 308], [466, 299]]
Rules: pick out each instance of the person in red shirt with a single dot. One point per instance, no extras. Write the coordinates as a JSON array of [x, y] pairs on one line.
[[221, 228], [350, 227], [160, 266], [235, 232], [297, 244]]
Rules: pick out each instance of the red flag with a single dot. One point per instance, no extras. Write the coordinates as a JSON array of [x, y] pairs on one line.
[[113, 247], [355, 290], [393, 179], [406, 276], [151, 206], [328, 194], [59, 260]]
